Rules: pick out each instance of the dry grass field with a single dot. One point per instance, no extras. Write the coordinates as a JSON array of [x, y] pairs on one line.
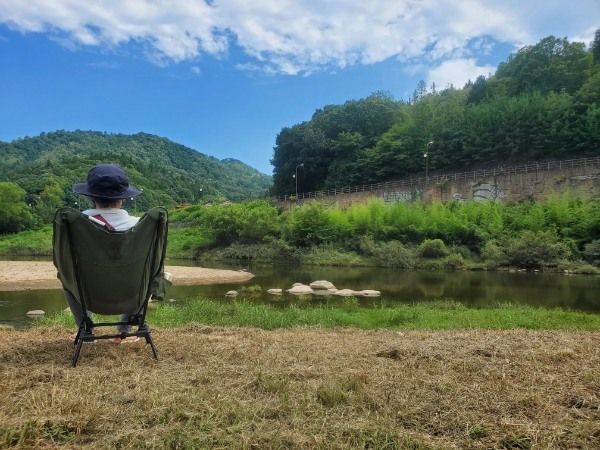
[[303, 388]]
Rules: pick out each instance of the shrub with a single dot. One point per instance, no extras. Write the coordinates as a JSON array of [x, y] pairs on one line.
[[534, 250], [586, 269], [367, 245], [591, 252], [271, 251], [252, 289], [431, 264], [493, 254], [462, 251], [432, 248], [394, 254], [455, 261], [308, 225], [329, 255]]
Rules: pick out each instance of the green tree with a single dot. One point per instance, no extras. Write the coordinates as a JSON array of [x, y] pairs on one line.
[[551, 65], [335, 133], [595, 47], [479, 91], [51, 198], [15, 214], [308, 225]]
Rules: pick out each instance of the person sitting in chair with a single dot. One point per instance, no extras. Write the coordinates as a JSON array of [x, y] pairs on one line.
[[108, 186]]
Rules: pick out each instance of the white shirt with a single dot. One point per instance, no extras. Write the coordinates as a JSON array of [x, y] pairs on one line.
[[117, 217]]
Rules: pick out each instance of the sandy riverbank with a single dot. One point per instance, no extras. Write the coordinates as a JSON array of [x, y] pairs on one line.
[[24, 275]]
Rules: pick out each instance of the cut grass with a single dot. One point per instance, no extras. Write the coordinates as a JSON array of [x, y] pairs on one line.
[[299, 388], [420, 377]]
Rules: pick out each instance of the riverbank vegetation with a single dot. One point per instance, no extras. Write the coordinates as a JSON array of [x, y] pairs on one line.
[[560, 234]]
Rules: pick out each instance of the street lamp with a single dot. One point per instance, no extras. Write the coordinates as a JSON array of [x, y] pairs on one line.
[[426, 156], [296, 177]]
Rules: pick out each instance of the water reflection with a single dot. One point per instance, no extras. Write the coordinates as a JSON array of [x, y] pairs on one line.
[[15, 305], [475, 289]]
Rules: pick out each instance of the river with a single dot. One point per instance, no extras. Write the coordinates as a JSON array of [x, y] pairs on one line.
[[473, 289]]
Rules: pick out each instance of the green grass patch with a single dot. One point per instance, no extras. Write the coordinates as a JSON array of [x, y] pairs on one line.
[[186, 243], [327, 255], [27, 243], [442, 315]]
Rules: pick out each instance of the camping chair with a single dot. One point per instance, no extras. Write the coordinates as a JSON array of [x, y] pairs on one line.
[[110, 272]]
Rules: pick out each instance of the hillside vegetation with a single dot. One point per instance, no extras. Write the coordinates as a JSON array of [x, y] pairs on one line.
[[39, 172], [542, 103]]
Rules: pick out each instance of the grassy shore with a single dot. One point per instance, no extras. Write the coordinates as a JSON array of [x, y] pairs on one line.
[[440, 315], [236, 375]]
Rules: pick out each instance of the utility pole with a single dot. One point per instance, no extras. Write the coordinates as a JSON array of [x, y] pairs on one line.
[[296, 177], [426, 156]]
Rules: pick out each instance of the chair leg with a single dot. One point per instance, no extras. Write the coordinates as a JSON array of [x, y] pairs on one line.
[[82, 336], [77, 336], [145, 331], [151, 342], [78, 343]]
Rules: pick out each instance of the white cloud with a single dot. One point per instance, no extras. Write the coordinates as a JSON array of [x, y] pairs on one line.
[[300, 36], [457, 72], [587, 36]]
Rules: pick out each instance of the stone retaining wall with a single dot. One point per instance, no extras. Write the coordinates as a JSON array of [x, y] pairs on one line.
[[581, 181]]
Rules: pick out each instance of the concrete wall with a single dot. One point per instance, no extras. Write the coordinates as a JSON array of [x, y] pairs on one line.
[[582, 181]]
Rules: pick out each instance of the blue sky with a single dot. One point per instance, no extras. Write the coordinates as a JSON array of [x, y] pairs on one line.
[[223, 77]]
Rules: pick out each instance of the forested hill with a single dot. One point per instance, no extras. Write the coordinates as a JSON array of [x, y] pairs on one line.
[[48, 165], [542, 103]]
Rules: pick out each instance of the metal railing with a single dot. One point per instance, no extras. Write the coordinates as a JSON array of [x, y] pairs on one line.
[[441, 178]]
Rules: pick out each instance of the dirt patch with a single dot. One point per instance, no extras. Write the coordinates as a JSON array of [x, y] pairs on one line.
[[24, 275], [303, 388]]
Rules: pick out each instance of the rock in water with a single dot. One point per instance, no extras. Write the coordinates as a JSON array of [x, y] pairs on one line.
[[345, 292], [371, 293], [300, 289], [322, 284]]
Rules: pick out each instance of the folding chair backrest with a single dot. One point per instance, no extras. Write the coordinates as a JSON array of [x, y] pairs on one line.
[[109, 272]]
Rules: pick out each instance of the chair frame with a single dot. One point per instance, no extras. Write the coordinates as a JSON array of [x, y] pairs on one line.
[[85, 332]]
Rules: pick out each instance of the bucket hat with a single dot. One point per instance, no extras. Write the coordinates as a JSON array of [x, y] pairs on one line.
[[106, 181]]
